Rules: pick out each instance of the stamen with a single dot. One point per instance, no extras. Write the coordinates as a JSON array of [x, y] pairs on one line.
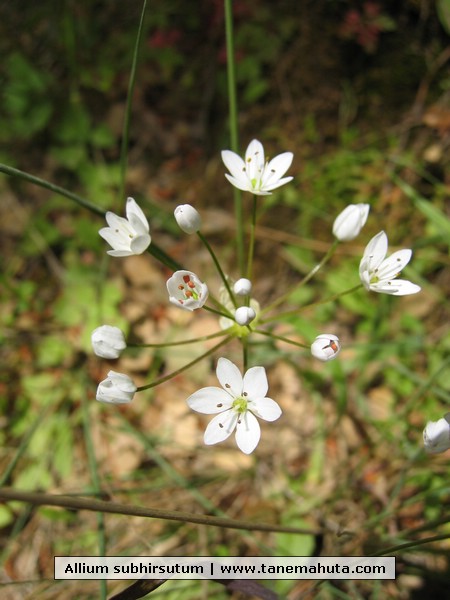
[[220, 425], [219, 405], [227, 385]]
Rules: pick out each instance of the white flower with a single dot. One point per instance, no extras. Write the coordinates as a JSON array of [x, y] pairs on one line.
[[107, 341], [379, 274], [117, 388], [237, 403], [244, 315], [326, 347], [242, 287], [436, 435], [188, 218], [186, 290], [255, 174], [127, 236], [350, 221]]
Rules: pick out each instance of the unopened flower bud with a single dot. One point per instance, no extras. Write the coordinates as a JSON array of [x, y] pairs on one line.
[[117, 388], [325, 347], [242, 287], [349, 223], [436, 435], [188, 218], [244, 315], [107, 341]]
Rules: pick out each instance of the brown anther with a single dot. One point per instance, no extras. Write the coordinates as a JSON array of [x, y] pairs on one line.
[[227, 385], [181, 287], [245, 394], [219, 405], [188, 294], [186, 278], [191, 284], [220, 425]]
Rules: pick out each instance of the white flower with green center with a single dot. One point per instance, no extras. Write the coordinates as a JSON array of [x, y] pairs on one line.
[[186, 290], [127, 236], [255, 174], [379, 274], [238, 403]]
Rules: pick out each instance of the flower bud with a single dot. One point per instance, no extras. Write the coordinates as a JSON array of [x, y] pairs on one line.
[[107, 341], [350, 221], [242, 287], [188, 218], [436, 435], [326, 347], [244, 315], [117, 388]]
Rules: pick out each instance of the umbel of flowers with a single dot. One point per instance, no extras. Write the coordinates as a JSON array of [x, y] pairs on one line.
[[242, 399]]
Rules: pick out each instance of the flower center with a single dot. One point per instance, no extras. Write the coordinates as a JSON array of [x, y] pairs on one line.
[[240, 405], [189, 290]]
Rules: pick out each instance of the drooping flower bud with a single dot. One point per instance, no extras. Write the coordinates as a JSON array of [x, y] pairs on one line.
[[244, 315], [107, 341], [188, 218], [436, 435], [242, 287], [350, 221], [326, 347], [117, 388], [186, 290], [129, 236]]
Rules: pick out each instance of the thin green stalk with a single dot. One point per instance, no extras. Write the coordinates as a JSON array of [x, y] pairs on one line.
[[292, 313], [218, 267], [202, 338], [251, 247], [404, 546], [280, 337], [185, 367], [221, 313], [92, 462], [127, 118], [153, 249], [233, 124], [52, 187], [305, 280], [70, 502]]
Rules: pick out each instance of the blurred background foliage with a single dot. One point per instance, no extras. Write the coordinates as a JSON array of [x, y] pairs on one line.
[[359, 91]]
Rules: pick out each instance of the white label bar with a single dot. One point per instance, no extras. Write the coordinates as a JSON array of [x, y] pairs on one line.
[[231, 567]]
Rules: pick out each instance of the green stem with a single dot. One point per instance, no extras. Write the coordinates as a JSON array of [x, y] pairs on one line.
[[126, 123], [405, 545], [305, 280], [233, 124], [251, 248], [218, 267], [221, 313], [72, 503], [185, 367], [153, 249], [281, 338], [203, 338], [292, 313], [52, 187]]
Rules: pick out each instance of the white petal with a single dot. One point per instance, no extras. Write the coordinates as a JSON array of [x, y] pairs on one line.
[[220, 427], [210, 400], [255, 383], [241, 184], [266, 409], [140, 243], [278, 166], [120, 253], [115, 240], [405, 287], [136, 217], [248, 432], [229, 376], [277, 184], [375, 251], [234, 164], [392, 266], [254, 161]]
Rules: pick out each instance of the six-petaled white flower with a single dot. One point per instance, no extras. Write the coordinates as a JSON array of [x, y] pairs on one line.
[[186, 290], [107, 341], [188, 218], [117, 388], [127, 236], [326, 347], [379, 274], [238, 403], [350, 221], [436, 435], [255, 174]]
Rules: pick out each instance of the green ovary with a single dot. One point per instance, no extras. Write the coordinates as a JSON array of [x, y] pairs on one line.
[[240, 405]]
